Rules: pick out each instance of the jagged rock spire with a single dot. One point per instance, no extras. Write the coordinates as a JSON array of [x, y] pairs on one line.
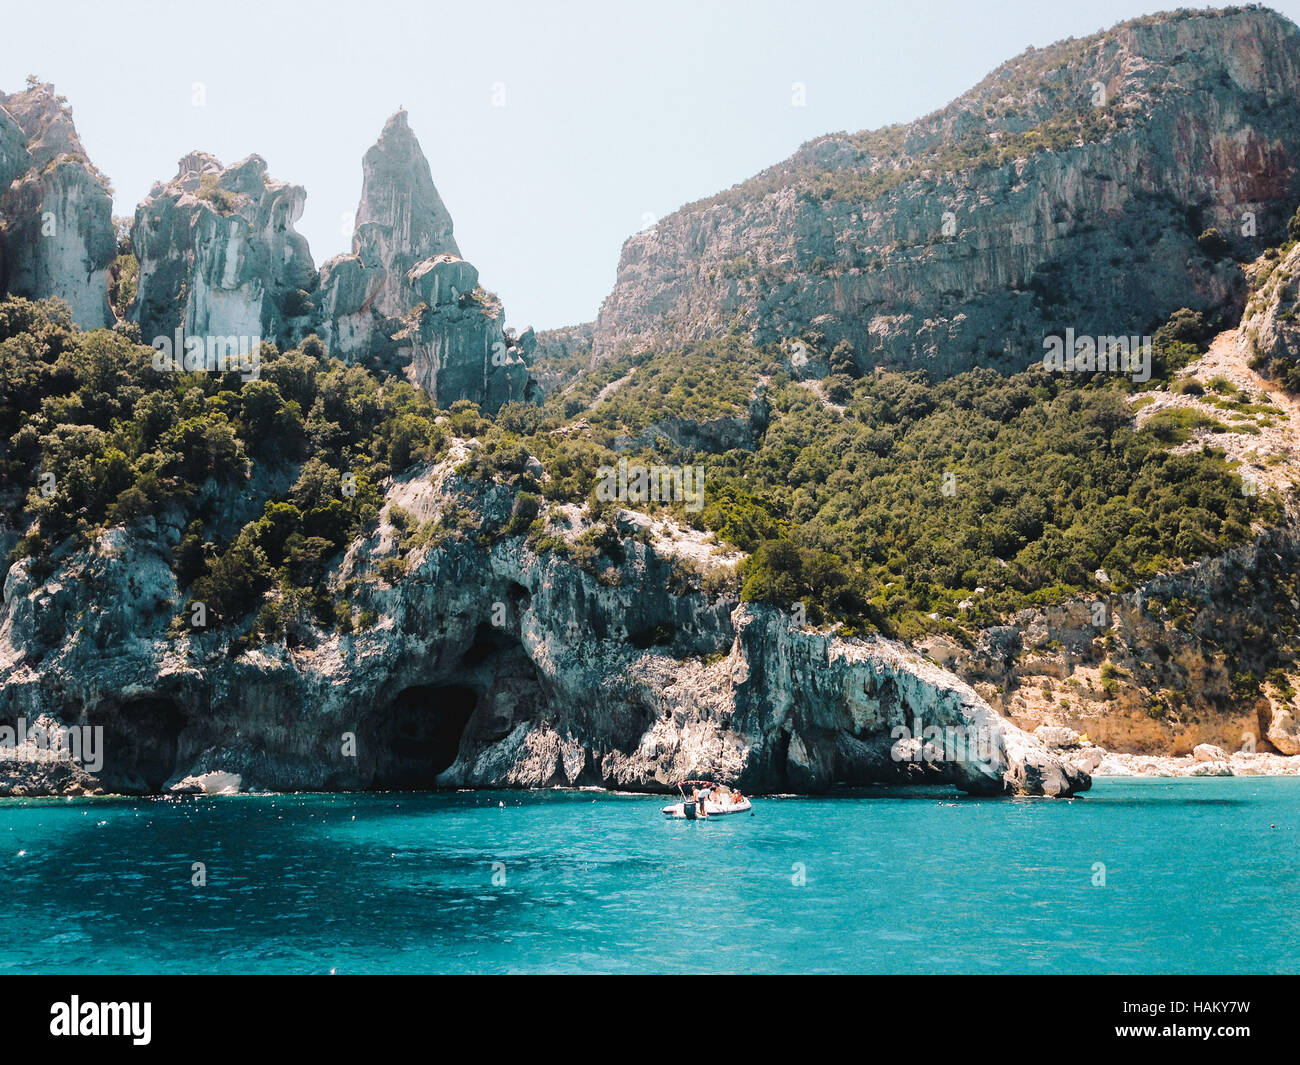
[[401, 218]]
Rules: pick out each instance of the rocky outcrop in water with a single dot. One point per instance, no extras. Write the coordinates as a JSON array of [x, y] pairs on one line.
[[56, 225], [1068, 189], [219, 255], [491, 667]]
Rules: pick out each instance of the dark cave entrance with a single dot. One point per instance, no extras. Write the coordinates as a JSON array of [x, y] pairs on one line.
[[488, 641], [473, 702], [418, 735], [140, 742]]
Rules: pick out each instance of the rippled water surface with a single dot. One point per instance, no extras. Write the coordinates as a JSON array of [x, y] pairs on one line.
[[1201, 875]]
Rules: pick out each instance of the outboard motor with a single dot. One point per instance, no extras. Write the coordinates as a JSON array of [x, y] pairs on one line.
[[688, 808]]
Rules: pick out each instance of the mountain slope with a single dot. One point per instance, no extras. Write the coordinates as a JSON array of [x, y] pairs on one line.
[[1069, 188]]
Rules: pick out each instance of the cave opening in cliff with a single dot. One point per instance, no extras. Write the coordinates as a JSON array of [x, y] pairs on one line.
[[652, 636], [472, 699], [140, 742], [418, 735], [488, 641]]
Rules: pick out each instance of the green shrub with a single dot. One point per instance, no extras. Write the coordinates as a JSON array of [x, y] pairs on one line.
[[1213, 244]]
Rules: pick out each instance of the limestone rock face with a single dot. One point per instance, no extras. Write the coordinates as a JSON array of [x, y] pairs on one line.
[[348, 323], [214, 783], [400, 221], [1068, 189], [56, 212], [406, 300], [1284, 731], [14, 160], [219, 255], [401, 218], [458, 346], [1269, 325], [1056, 736], [220, 258], [489, 667], [14, 157]]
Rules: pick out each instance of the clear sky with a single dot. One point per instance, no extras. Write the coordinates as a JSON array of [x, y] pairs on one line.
[[614, 113]]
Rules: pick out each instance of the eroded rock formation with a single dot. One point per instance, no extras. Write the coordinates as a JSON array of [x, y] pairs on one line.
[[1270, 327], [219, 258], [56, 211], [219, 255], [1069, 188], [489, 668], [458, 346], [405, 299], [401, 219]]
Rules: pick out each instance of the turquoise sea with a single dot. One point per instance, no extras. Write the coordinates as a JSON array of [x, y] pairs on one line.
[[1201, 875]]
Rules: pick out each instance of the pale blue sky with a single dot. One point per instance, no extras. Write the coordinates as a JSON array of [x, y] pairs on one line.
[[613, 112]]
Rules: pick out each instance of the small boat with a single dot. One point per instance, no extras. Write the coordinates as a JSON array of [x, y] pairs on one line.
[[721, 800]]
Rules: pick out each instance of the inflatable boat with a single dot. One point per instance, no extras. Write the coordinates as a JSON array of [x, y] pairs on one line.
[[720, 802]]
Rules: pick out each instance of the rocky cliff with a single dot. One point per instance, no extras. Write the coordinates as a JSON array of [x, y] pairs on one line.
[[219, 255], [1157, 670], [1178, 661], [14, 157], [219, 258], [1269, 327], [487, 667], [401, 219], [478, 634], [457, 340], [405, 299], [56, 226], [1068, 189]]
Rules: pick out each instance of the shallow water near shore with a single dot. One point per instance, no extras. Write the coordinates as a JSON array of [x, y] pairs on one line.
[[1196, 880]]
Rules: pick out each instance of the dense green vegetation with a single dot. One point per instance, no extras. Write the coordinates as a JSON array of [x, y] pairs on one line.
[[97, 436], [225, 201], [919, 493], [711, 379], [888, 510], [848, 515], [124, 273]]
